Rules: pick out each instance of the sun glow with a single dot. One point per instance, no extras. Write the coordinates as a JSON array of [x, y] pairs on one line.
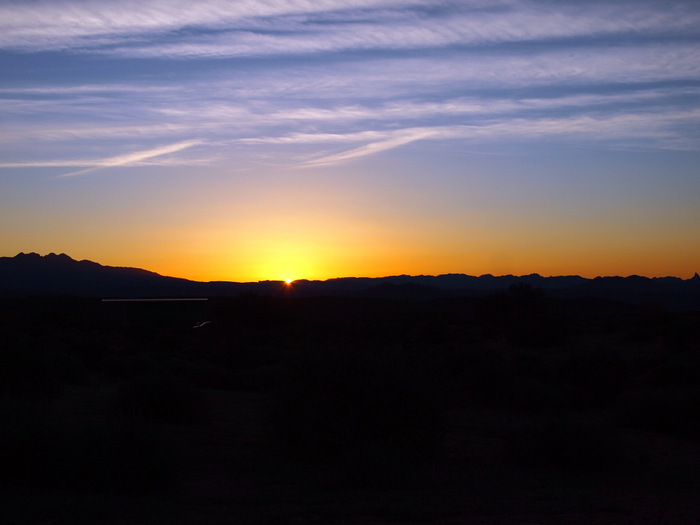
[[288, 281]]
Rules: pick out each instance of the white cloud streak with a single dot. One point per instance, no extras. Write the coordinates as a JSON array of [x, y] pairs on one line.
[[133, 158], [399, 139], [617, 128]]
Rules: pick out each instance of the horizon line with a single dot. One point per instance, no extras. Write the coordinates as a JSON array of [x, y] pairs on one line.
[[301, 279]]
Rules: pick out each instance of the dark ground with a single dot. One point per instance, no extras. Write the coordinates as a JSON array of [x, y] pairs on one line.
[[513, 409]]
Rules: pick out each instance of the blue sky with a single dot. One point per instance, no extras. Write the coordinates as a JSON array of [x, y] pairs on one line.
[[286, 139]]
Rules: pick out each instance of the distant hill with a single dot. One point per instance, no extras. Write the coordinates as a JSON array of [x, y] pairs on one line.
[[32, 274], [35, 275]]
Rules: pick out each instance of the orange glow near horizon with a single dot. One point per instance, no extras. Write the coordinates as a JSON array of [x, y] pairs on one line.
[[314, 247], [295, 261], [319, 264]]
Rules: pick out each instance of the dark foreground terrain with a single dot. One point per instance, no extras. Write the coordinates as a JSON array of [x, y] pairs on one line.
[[512, 408]]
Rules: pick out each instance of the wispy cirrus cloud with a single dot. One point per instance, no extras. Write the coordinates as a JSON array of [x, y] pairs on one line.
[[398, 139], [84, 131], [405, 34], [620, 128], [216, 28], [641, 114], [494, 69], [118, 160], [65, 24]]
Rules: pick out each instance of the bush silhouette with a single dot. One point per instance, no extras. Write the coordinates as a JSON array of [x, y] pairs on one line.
[[523, 315], [71, 369], [671, 411], [38, 449], [375, 423], [28, 374], [164, 399], [568, 442]]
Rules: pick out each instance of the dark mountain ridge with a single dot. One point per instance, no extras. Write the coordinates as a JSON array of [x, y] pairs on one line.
[[35, 275]]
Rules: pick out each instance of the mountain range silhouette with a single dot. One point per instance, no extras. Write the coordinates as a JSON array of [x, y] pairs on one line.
[[30, 274]]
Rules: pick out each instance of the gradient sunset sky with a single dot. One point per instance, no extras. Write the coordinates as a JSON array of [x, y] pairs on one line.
[[251, 140]]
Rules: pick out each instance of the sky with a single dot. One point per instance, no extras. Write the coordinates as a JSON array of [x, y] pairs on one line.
[[290, 139]]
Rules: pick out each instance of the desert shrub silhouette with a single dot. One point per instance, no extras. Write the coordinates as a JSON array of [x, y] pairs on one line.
[[201, 373], [671, 411], [673, 370], [373, 422], [523, 315], [512, 383], [592, 379], [682, 334], [39, 449], [164, 399], [567, 441], [536, 331], [70, 369], [129, 365], [28, 373]]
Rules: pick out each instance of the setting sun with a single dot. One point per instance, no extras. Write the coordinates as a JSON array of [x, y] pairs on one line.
[[288, 281]]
